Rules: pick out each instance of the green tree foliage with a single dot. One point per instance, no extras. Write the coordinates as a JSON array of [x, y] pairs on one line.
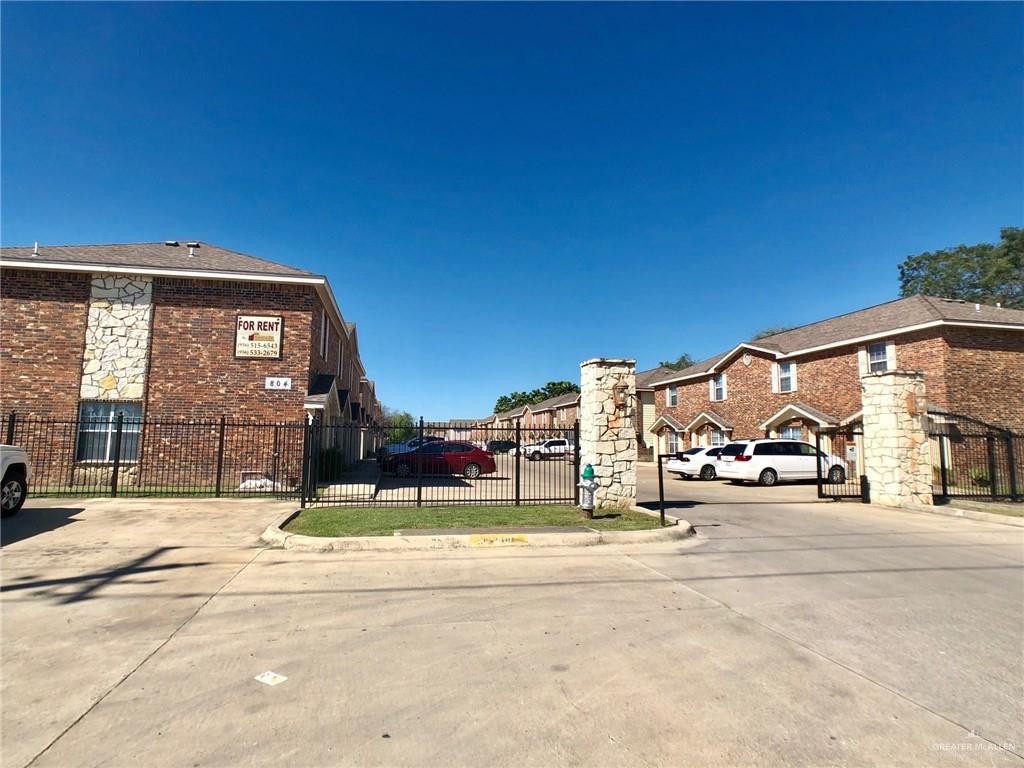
[[516, 399], [771, 331], [683, 361], [399, 426], [986, 273]]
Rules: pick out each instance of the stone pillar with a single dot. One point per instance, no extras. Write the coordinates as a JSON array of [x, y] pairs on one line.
[[117, 338], [607, 428], [897, 461]]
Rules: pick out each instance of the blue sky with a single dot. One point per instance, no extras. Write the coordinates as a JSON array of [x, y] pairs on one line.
[[498, 192]]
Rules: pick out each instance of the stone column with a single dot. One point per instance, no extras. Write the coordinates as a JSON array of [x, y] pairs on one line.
[[897, 461], [607, 428], [117, 338]]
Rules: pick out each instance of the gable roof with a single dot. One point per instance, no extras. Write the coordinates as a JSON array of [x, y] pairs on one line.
[[894, 317], [666, 420], [554, 402], [797, 409], [644, 378], [206, 257], [514, 413]]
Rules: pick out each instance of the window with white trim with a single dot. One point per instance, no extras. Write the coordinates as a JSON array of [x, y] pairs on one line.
[[878, 357], [791, 432], [718, 437], [673, 442], [718, 388], [787, 376], [97, 430], [672, 395]]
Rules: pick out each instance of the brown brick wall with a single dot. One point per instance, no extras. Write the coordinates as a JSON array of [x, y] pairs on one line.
[[828, 381], [193, 372], [985, 375], [43, 317]]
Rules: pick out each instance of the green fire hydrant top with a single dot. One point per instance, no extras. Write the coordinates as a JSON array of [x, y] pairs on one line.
[[588, 473]]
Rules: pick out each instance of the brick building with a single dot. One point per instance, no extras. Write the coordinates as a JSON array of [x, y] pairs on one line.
[[172, 332], [791, 383]]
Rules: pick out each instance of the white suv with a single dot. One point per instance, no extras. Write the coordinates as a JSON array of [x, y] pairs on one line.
[[767, 461], [14, 468]]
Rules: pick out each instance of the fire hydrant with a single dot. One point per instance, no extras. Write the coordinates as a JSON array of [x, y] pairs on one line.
[[587, 486]]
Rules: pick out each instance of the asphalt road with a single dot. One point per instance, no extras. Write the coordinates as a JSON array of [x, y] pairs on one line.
[[786, 634]]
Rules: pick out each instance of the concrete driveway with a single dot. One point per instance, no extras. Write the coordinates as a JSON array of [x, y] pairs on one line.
[[791, 634]]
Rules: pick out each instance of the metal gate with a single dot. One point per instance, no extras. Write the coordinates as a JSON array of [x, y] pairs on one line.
[[438, 464], [841, 463]]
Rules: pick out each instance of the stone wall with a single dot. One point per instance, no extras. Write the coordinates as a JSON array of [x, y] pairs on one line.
[[117, 338], [608, 430], [896, 451]]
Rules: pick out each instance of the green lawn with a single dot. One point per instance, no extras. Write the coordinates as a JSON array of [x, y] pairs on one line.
[[384, 521]]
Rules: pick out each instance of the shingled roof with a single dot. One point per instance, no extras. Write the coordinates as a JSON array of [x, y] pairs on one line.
[[644, 379], [893, 316], [175, 256], [555, 402]]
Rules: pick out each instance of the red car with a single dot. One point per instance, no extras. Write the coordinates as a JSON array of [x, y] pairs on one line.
[[443, 458]]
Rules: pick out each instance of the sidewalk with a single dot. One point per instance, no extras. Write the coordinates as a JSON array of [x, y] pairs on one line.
[[357, 484]]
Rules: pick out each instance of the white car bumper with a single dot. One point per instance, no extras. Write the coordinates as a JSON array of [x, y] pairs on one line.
[[736, 470]]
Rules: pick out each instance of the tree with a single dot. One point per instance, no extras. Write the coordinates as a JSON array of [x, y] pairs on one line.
[[683, 361], [517, 399], [771, 331], [399, 426], [986, 273]]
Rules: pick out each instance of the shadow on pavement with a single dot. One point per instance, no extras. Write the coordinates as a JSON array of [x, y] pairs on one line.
[[31, 521]]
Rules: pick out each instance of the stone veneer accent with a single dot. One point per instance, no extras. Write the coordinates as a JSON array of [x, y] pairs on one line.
[[607, 431], [897, 461], [117, 337]]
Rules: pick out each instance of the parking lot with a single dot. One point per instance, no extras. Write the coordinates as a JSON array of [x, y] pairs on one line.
[[786, 634], [682, 495]]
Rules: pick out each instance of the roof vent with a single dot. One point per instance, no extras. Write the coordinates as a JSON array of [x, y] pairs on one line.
[[192, 248], [35, 249], [977, 307], [171, 242]]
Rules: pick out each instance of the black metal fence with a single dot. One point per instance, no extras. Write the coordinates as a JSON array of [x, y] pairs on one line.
[[315, 463], [434, 464], [975, 460], [840, 464]]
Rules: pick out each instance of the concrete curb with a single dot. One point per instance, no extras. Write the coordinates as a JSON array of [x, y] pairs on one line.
[[276, 536], [969, 514]]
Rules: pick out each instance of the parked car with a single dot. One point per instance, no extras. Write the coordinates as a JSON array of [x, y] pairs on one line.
[[767, 461], [501, 446], [15, 469], [442, 458], [695, 462], [409, 445], [556, 447]]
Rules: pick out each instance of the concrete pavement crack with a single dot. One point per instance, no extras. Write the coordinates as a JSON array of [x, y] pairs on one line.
[[825, 657], [145, 659]]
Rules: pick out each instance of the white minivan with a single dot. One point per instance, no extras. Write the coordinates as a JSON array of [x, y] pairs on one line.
[[767, 461]]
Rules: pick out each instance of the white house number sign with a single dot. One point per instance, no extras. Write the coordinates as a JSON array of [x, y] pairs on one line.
[[276, 382], [258, 336]]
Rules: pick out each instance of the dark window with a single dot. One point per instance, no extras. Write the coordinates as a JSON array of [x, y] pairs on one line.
[[734, 449], [97, 431], [458, 448], [556, 443], [767, 449], [806, 450], [433, 448], [714, 451], [692, 451]]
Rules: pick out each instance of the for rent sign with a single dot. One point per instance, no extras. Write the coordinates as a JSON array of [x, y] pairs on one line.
[[258, 336]]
